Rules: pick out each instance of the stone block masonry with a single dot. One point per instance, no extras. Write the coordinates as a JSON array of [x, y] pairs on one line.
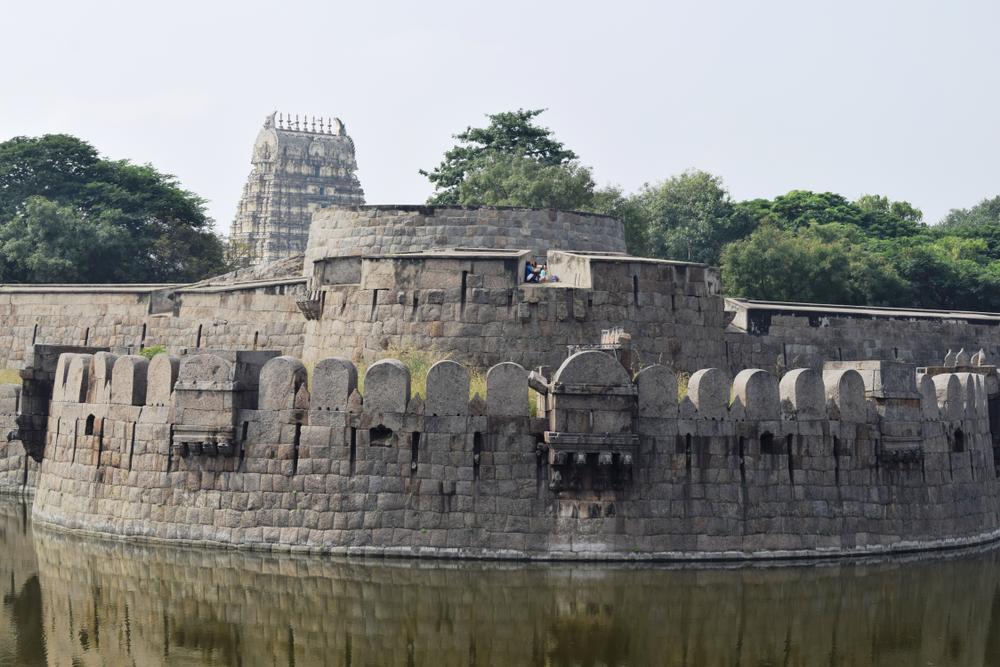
[[477, 307], [797, 335], [381, 230], [823, 463], [126, 319]]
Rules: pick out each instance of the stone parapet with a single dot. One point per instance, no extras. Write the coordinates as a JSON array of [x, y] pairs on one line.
[[614, 468]]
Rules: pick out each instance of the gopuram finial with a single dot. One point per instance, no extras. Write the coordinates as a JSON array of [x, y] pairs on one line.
[[328, 126], [296, 122]]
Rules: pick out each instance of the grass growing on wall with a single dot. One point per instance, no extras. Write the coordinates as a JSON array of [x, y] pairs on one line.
[[682, 385], [9, 376]]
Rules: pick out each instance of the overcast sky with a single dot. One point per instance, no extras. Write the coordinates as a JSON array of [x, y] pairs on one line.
[[897, 98]]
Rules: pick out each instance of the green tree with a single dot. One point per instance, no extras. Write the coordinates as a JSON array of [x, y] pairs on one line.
[[612, 200], [511, 133], [816, 264], [504, 179], [169, 235], [48, 243], [986, 212], [691, 217]]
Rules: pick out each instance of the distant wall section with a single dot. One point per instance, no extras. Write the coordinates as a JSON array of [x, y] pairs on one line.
[[793, 335]]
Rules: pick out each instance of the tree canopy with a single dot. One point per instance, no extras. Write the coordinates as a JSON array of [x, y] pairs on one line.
[[67, 215], [509, 134]]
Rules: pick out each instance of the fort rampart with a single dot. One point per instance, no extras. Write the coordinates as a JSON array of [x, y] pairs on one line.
[[232, 449]]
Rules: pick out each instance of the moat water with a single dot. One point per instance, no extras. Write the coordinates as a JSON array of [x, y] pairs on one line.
[[70, 600]]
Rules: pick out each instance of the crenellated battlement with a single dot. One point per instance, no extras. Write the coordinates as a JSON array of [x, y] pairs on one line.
[[244, 449]]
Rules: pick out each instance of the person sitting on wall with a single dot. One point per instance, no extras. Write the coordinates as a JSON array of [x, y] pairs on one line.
[[542, 276], [530, 273]]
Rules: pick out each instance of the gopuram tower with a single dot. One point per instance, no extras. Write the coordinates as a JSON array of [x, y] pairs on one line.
[[297, 169]]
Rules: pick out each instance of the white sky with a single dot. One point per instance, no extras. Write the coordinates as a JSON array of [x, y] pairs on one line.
[[897, 98]]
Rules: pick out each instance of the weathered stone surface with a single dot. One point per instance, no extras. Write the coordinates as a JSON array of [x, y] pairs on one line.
[[928, 398], [969, 395], [333, 380], [77, 378], [708, 390], [805, 390], [161, 378], [950, 398], [205, 369], [280, 381], [845, 393], [593, 368], [61, 375], [128, 382], [657, 387], [447, 390], [101, 369], [10, 394], [388, 476], [507, 391], [759, 394], [387, 387]]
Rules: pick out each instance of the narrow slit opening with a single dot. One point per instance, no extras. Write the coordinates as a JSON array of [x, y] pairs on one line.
[[354, 450], [414, 449], [477, 448]]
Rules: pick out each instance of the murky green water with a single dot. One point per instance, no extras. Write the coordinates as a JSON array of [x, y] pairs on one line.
[[72, 601]]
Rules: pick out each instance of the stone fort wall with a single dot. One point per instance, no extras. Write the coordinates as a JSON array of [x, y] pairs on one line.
[[477, 307], [240, 453], [259, 314]]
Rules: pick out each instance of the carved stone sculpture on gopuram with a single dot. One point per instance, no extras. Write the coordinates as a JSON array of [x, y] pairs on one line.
[[298, 168]]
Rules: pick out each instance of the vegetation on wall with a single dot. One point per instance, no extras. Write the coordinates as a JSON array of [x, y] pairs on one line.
[[804, 246], [69, 216]]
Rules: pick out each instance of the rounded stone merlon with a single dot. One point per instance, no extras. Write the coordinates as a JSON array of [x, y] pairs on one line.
[[447, 390], [591, 367], [951, 402], [507, 390], [969, 394], [759, 394], [845, 394], [161, 378], [128, 381], [101, 371], [333, 381], [657, 386], [928, 398], [280, 380], [77, 379], [62, 374], [708, 390], [205, 368], [804, 389], [387, 386]]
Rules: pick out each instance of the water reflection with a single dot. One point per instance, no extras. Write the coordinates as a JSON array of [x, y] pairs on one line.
[[74, 601]]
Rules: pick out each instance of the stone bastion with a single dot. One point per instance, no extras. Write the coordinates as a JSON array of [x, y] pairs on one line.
[[381, 230], [240, 449]]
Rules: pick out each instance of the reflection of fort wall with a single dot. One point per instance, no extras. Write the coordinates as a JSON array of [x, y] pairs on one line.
[[159, 604], [21, 613]]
